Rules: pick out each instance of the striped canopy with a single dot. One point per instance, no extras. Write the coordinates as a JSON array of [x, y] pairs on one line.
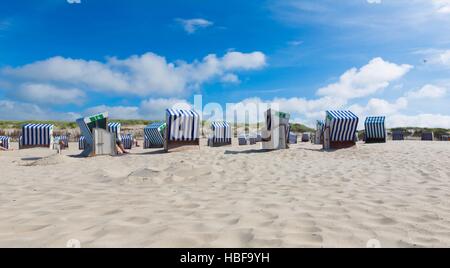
[[154, 134], [114, 127], [342, 125], [183, 125], [221, 132], [5, 141], [375, 128], [37, 134]]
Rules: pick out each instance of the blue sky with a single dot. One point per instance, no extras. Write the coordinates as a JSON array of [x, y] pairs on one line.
[[61, 59]]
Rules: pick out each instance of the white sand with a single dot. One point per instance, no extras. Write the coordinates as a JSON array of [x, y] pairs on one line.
[[398, 193]]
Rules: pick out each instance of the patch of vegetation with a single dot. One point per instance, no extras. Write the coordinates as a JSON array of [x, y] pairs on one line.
[[300, 128]]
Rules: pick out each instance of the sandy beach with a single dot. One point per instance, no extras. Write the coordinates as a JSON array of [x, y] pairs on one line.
[[236, 196]]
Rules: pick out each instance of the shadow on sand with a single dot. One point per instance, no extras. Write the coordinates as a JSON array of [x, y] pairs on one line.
[[252, 151]]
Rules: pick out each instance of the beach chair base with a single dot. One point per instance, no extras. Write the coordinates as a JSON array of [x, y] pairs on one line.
[[211, 143], [181, 145], [341, 144], [33, 146], [383, 140]]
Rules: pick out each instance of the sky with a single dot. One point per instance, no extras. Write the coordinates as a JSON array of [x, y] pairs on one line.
[[63, 59]]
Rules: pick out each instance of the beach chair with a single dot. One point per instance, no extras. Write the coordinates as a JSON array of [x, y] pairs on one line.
[[306, 137], [275, 134], [318, 137], [242, 139], [221, 134], [340, 129], [115, 129], [154, 135], [292, 138], [99, 136], [427, 136], [182, 129], [375, 130], [127, 141], [36, 135], [397, 135], [5, 142]]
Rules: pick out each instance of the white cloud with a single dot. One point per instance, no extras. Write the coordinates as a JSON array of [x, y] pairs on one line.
[[230, 78], [442, 6], [115, 112], [148, 74], [428, 91], [420, 120], [379, 107], [12, 110], [248, 61], [192, 25], [369, 79], [374, 1], [155, 108], [74, 1], [444, 57], [151, 109], [48, 94]]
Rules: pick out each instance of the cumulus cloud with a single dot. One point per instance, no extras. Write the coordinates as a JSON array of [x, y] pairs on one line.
[[12, 110], [428, 91], [374, 1], [192, 25], [48, 94], [155, 108], [369, 79], [442, 6], [144, 75], [420, 120]]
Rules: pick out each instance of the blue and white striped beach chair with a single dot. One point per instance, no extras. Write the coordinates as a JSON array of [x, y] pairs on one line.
[[182, 128], [114, 127], [340, 129], [320, 126], [397, 135], [154, 135], [375, 130], [292, 138], [242, 139], [221, 134], [127, 141], [5, 142], [36, 135], [427, 136]]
